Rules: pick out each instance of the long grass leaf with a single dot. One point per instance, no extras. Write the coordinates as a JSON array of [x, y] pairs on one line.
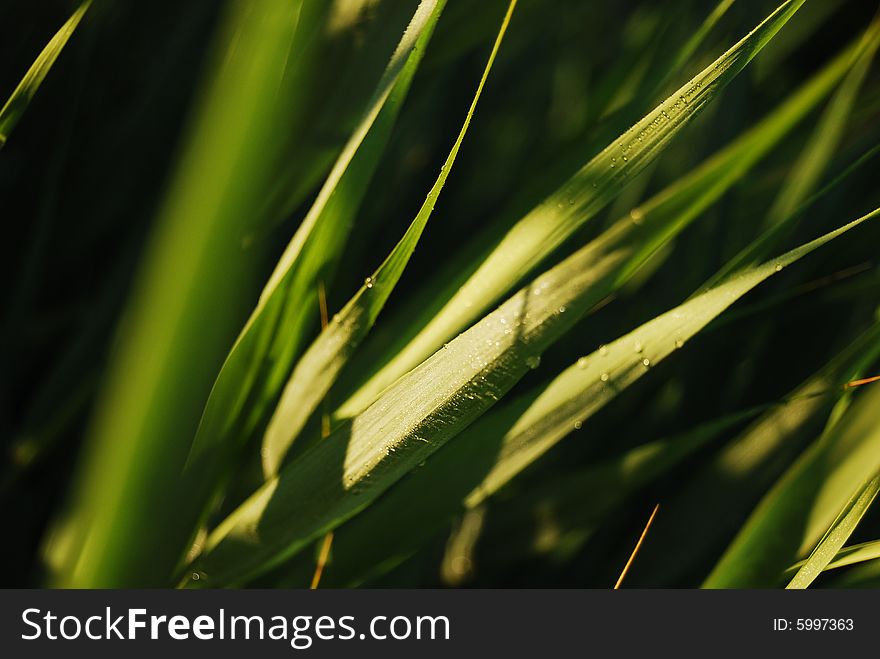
[[319, 366], [548, 225], [412, 419], [182, 313], [837, 535], [17, 103]]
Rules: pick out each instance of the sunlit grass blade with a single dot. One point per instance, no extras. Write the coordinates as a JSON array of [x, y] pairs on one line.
[[846, 556], [587, 385], [837, 535], [434, 402], [316, 371], [796, 512], [17, 103], [182, 313], [258, 365], [547, 226]]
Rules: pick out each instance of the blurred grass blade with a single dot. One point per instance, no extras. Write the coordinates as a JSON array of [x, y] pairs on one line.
[[693, 43], [837, 535], [182, 314], [343, 474], [814, 158], [547, 226], [795, 513], [17, 103], [256, 368], [316, 371]]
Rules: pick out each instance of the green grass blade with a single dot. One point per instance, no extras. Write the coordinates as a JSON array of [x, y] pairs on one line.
[[837, 535], [17, 103], [346, 472], [795, 513], [593, 380], [182, 313], [315, 373], [258, 365], [846, 556], [534, 237]]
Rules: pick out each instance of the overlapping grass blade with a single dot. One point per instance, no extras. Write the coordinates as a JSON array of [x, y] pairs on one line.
[[182, 313], [17, 103], [315, 373], [837, 535], [534, 237], [434, 402], [256, 368], [795, 513]]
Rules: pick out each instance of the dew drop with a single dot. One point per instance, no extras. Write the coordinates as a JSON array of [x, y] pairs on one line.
[[582, 363], [571, 202], [196, 576], [603, 350], [679, 343], [778, 267], [638, 347], [368, 282], [577, 425], [636, 215], [646, 362], [624, 158], [562, 309], [533, 362], [604, 377]]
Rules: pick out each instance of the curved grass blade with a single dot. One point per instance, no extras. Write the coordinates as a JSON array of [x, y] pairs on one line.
[[183, 309], [318, 368], [17, 103], [257, 366], [436, 401], [548, 225], [837, 535], [795, 513]]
